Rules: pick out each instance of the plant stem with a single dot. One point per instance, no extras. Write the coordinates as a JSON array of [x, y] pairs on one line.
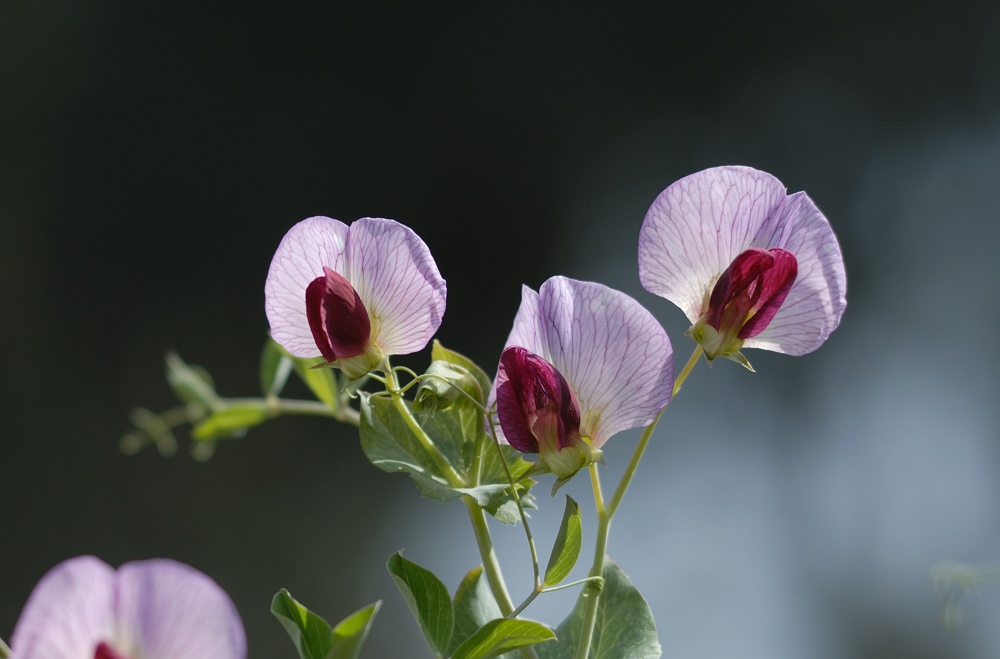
[[450, 473], [490, 563], [592, 591], [4, 650]]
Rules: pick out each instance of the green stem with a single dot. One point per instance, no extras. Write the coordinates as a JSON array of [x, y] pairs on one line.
[[592, 591], [490, 563], [4, 650], [454, 478]]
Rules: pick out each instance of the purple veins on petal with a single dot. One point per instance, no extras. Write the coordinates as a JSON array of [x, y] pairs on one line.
[[698, 226], [337, 316]]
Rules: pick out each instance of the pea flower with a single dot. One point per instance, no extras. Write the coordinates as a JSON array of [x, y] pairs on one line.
[[582, 363], [750, 265], [155, 609], [353, 294]]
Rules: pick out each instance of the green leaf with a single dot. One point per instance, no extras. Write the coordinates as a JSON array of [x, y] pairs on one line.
[[474, 606], [566, 549], [624, 629], [191, 384], [230, 422], [438, 351], [502, 635], [275, 367], [391, 446], [312, 635], [321, 381], [428, 600]]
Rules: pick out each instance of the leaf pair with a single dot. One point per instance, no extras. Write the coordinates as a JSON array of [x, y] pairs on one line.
[[472, 626], [313, 636]]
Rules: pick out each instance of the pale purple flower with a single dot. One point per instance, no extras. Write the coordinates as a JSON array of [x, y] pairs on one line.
[[750, 265], [582, 363], [353, 294], [155, 609]]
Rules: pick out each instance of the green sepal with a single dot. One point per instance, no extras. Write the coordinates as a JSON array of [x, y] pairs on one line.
[[502, 635], [624, 629], [231, 422], [439, 352], [313, 637], [275, 367], [457, 432], [566, 549], [191, 384], [428, 600]]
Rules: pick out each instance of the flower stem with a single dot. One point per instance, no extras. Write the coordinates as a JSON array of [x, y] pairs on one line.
[[4, 650], [592, 591], [447, 469]]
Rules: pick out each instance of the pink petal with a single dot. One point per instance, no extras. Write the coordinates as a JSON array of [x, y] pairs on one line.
[[698, 225], [303, 252], [615, 356], [69, 612], [168, 610], [399, 283], [814, 305]]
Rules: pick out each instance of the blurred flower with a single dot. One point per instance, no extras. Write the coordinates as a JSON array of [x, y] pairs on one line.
[[84, 609], [353, 294], [750, 265], [582, 363]]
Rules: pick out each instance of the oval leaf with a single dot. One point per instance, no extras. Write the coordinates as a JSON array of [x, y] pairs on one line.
[[427, 598], [191, 384], [321, 381], [312, 635], [503, 635], [229, 422], [566, 549], [624, 629], [438, 351], [474, 606]]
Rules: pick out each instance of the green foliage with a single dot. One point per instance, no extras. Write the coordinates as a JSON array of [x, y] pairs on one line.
[[499, 636], [313, 637], [474, 606], [624, 629], [566, 548], [439, 352], [458, 434], [191, 384], [230, 422], [275, 367], [428, 600]]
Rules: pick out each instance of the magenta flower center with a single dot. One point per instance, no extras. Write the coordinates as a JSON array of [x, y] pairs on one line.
[[751, 291], [105, 651], [535, 404], [337, 317]]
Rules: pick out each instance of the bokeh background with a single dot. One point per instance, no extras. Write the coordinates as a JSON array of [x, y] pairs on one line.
[[153, 154]]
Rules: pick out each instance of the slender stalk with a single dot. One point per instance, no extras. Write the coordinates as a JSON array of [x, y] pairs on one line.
[[4, 650], [490, 563], [592, 591], [454, 478], [517, 502]]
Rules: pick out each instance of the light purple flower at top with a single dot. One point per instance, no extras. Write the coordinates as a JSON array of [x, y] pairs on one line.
[[353, 294], [156, 609], [750, 265], [582, 363]]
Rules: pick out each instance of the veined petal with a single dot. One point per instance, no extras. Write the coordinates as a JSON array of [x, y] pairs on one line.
[[396, 277], [69, 612], [167, 609], [814, 305], [303, 252], [616, 358], [698, 225]]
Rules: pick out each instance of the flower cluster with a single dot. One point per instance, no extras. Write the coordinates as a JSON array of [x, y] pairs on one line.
[[751, 266]]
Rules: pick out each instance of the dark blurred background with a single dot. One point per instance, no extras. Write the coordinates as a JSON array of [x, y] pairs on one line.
[[154, 153]]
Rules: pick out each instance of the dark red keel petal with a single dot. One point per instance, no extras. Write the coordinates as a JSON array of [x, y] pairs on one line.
[[750, 291], [105, 651], [777, 281], [337, 317], [534, 398]]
